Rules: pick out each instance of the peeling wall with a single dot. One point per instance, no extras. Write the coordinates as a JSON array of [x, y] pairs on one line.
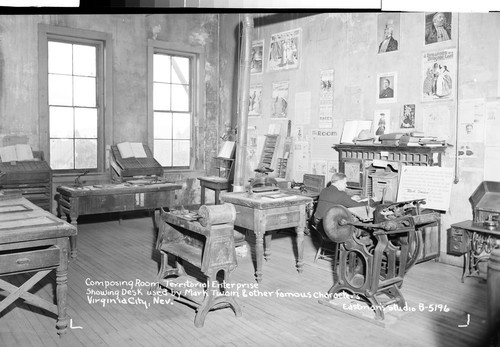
[[348, 43], [130, 34]]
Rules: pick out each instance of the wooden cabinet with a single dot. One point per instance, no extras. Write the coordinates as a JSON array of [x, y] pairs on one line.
[[32, 178], [360, 162]]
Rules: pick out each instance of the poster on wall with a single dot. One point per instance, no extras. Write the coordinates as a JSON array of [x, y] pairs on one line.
[[437, 27], [388, 32], [436, 121], [255, 101], [284, 51], [438, 75], [407, 119], [386, 87], [326, 99], [257, 61], [381, 122], [279, 100], [327, 84]]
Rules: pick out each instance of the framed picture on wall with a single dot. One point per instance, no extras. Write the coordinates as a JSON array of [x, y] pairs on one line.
[[388, 32], [387, 87], [284, 51], [437, 27], [407, 119], [257, 59]]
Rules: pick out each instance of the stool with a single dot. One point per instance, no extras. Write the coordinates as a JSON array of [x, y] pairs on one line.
[[214, 183]]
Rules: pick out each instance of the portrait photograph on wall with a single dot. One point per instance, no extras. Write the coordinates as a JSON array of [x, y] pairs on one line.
[[388, 32], [438, 74], [257, 58], [381, 122], [386, 87], [284, 51], [437, 27]]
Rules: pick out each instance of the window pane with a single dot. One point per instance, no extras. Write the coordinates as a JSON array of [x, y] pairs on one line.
[[86, 122], [60, 90], [84, 60], [85, 91], [60, 57], [85, 154], [162, 125], [61, 122], [161, 68], [180, 70], [180, 98], [181, 153], [161, 96], [61, 154], [181, 126], [163, 152]]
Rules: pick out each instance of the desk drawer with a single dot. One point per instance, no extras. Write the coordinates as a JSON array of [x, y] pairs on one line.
[[19, 261], [282, 219]]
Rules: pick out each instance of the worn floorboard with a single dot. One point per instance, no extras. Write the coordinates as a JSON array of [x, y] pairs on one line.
[[115, 257]]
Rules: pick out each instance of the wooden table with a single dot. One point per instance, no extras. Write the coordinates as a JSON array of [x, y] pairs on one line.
[[121, 197], [478, 240], [262, 214], [217, 184], [34, 240]]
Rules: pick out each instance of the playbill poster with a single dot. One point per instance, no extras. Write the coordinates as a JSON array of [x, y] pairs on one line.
[[284, 51], [326, 99], [439, 75], [280, 100], [257, 60], [255, 100]]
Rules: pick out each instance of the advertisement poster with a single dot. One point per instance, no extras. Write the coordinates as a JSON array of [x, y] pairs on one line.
[[438, 75], [257, 61], [284, 51], [255, 101], [280, 100]]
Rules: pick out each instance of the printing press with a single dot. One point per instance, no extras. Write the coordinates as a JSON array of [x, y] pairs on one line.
[[375, 253]]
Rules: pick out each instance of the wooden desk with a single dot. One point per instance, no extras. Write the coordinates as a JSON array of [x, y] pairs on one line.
[[34, 240], [260, 214], [475, 242], [217, 184], [121, 197]]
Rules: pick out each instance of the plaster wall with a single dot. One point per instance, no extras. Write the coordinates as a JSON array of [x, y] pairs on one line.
[[348, 44]]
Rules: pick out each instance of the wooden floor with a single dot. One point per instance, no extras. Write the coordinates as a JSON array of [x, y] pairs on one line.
[[121, 254]]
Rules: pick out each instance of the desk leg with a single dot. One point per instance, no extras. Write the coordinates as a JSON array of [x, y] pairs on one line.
[[259, 253], [267, 245], [72, 239], [300, 248], [62, 288], [202, 198]]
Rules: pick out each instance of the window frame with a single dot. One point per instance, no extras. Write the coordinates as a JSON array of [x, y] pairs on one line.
[[197, 87], [104, 101]]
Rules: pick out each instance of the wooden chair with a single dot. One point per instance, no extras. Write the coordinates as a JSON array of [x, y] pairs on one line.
[[224, 166]]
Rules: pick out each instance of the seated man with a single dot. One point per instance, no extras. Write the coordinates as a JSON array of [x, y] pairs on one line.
[[335, 195]]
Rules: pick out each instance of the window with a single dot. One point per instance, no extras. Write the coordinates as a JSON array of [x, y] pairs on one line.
[[173, 103], [73, 89]]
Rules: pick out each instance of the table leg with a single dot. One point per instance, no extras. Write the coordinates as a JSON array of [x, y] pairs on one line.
[[267, 245], [300, 248], [217, 193], [62, 289], [259, 252], [73, 251]]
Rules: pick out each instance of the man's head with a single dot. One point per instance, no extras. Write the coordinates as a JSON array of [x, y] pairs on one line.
[[389, 28], [387, 83], [339, 180], [439, 19]]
